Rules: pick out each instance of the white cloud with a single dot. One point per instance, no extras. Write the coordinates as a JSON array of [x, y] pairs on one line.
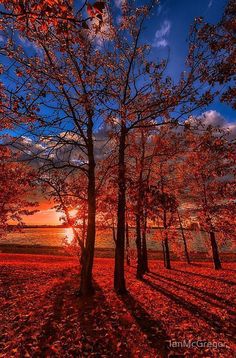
[[118, 19], [161, 34], [164, 30], [26, 140], [26, 43], [161, 43], [119, 3], [210, 3], [232, 128], [215, 119], [100, 32]]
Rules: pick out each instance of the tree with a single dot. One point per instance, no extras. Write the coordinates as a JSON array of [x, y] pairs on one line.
[[163, 201], [72, 75], [210, 171], [70, 201], [107, 207], [213, 47], [141, 95], [16, 181], [56, 69], [45, 14], [139, 166], [164, 207]]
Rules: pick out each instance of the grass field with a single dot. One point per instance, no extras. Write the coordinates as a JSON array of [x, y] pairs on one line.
[[41, 316]]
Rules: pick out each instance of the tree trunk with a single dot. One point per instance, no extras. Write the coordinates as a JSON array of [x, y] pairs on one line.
[[184, 240], [166, 243], [185, 248], [86, 285], [144, 247], [84, 228], [139, 273], [113, 231], [215, 251], [119, 274], [167, 253], [127, 245], [164, 253]]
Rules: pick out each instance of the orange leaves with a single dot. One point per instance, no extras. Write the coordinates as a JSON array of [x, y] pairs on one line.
[[19, 73], [99, 7], [15, 105], [90, 11], [15, 182], [40, 15], [95, 13], [96, 10], [213, 46], [185, 303]]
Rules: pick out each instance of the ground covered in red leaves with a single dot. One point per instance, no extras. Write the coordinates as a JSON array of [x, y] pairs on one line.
[[40, 315]]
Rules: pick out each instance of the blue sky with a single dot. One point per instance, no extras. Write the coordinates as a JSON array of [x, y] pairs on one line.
[[168, 30]]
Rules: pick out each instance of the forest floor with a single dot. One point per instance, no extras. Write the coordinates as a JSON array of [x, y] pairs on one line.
[[41, 316]]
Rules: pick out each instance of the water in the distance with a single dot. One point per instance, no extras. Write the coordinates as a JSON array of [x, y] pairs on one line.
[[56, 237]]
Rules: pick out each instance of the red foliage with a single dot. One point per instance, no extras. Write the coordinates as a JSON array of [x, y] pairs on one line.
[[41, 315]]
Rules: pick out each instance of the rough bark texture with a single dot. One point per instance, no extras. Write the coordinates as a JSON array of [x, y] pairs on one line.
[[144, 247], [215, 251], [166, 243], [167, 253], [127, 244], [164, 253], [140, 214], [139, 273], [119, 275], [86, 284], [113, 232], [185, 247]]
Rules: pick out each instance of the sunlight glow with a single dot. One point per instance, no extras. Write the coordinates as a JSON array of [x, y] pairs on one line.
[[69, 236], [73, 212]]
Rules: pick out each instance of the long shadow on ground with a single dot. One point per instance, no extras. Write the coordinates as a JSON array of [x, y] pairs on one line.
[[49, 331], [87, 326], [219, 325], [197, 292], [102, 333], [156, 335], [228, 282]]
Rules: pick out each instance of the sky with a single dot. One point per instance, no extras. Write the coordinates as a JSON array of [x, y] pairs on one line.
[[45, 216], [167, 32], [169, 28]]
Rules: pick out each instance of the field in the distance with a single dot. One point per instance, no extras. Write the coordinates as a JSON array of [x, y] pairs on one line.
[[41, 316]]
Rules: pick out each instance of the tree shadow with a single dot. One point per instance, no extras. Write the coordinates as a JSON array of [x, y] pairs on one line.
[[231, 283], [154, 330], [5, 286], [98, 334], [229, 269], [48, 331], [100, 327], [219, 325], [223, 303]]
